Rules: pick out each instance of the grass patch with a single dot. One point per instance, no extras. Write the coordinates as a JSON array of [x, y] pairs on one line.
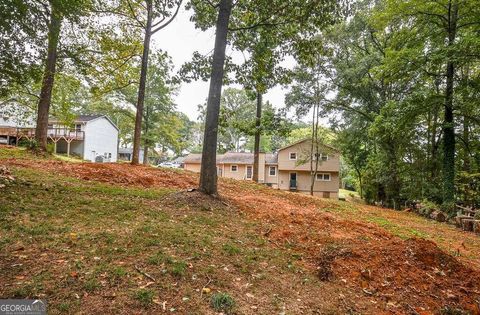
[[222, 302], [144, 297]]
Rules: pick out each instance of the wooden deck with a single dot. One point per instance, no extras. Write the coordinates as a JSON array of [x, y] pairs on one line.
[[54, 134]]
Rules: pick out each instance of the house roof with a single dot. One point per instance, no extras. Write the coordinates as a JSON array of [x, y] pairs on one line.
[[307, 139], [271, 158], [232, 158], [80, 118], [87, 118]]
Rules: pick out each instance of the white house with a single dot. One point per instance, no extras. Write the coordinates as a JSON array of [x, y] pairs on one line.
[[91, 137]]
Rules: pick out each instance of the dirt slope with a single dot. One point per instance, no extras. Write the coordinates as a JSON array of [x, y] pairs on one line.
[[399, 276]]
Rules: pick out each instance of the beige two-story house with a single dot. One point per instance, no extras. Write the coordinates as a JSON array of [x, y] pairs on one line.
[[288, 169]]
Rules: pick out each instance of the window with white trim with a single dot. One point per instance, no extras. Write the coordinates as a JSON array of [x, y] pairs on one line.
[[324, 157], [272, 171], [249, 171], [293, 155], [234, 168], [323, 177]]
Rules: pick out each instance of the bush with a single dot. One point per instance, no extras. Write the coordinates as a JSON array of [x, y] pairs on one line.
[[30, 144], [222, 302], [448, 208], [427, 207]]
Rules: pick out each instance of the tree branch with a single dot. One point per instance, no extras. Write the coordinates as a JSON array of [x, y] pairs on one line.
[[170, 20]]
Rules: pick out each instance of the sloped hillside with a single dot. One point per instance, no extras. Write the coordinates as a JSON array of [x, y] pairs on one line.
[[114, 238]]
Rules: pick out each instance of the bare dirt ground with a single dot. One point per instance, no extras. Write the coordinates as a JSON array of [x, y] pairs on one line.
[[367, 260]]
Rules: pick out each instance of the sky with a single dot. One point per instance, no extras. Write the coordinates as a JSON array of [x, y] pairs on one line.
[[180, 39]]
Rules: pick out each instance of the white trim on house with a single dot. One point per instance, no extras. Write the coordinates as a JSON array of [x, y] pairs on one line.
[[323, 176], [290, 156], [270, 171], [231, 168]]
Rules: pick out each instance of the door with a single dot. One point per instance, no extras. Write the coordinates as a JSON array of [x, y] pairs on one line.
[[249, 171], [293, 180]]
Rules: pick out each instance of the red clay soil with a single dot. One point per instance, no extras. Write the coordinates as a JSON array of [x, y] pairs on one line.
[[403, 276]]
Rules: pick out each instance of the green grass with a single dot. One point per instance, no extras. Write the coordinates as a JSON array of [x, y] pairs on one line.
[[94, 234], [222, 302], [144, 297]]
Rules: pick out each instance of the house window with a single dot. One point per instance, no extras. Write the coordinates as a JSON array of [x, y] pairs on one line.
[[249, 172], [272, 171], [234, 168], [78, 127], [293, 155], [324, 157], [323, 177]]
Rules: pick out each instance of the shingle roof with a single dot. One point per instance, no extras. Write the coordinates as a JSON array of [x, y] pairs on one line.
[[81, 118], [271, 158], [194, 158], [307, 139], [232, 158], [237, 157]]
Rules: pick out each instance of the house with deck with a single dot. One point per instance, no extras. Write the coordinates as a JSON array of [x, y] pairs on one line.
[[91, 137], [288, 169]]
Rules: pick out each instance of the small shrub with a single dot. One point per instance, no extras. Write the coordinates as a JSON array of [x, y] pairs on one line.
[[144, 296], [448, 208], [427, 207], [50, 148], [29, 144], [222, 302]]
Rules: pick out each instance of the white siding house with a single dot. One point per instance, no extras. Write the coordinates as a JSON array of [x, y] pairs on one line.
[[95, 140], [91, 137]]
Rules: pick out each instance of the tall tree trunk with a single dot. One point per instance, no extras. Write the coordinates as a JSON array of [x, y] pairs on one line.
[[359, 174], [466, 150], [256, 150], [54, 28], [448, 123], [314, 148], [208, 173], [141, 87], [145, 155]]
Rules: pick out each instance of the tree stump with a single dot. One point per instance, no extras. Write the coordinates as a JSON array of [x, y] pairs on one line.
[[438, 216], [476, 226], [467, 224], [459, 218]]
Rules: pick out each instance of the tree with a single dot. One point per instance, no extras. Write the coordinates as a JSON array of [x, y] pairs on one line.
[[446, 28], [54, 13], [208, 175], [307, 18], [308, 94], [151, 16]]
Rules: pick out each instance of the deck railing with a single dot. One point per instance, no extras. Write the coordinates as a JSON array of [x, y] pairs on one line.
[[53, 133]]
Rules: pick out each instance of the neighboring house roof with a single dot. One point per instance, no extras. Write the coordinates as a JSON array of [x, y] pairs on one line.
[[237, 158], [179, 159], [307, 139], [87, 118], [194, 158], [232, 158]]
